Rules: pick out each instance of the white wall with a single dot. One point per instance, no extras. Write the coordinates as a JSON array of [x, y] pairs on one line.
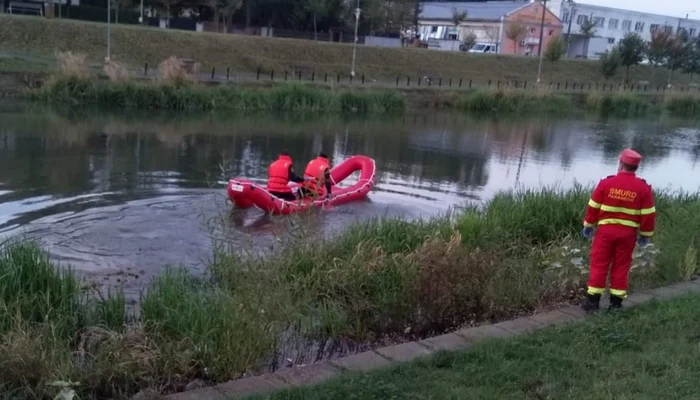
[[382, 41], [611, 33]]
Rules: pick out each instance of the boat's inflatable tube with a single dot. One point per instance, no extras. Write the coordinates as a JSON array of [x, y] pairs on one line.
[[244, 193]]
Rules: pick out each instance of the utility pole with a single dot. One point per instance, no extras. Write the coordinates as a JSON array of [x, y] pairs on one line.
[[568, 34], [540, 53], [109, 33], [354, 45], [539, 48]]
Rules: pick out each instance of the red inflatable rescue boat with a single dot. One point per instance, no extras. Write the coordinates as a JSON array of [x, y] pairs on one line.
[[244, 193]]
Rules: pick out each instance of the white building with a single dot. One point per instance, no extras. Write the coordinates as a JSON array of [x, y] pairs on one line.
[[612, 24]]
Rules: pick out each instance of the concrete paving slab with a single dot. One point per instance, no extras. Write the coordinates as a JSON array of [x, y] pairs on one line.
[[366, 361], [686, 287], [575, 311], [520, 325], [245, 387], [554, 318], [308, 374], [638, 298], [404, 351], [451, 341], [479, 333], [664, 293], [198, 394]]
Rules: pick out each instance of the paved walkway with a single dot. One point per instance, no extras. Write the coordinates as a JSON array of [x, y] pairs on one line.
[[385, 356]]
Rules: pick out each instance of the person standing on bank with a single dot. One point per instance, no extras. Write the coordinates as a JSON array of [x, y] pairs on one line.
[[280, 173], [622, 206]]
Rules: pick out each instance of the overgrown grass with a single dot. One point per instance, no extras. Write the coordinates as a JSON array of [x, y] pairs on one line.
[[646, 352], [191, 97], [514, 102], [378, 281]]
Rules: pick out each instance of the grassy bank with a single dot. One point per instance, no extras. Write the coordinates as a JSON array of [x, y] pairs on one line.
[[137, 95], [647, 352], [378, 282], [36, 40], [192, 97]]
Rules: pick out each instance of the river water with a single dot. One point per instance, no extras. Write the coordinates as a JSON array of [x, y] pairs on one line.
[[119, 197]]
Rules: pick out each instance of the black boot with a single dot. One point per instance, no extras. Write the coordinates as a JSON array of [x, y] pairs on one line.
[[615, 303], [592, 302]]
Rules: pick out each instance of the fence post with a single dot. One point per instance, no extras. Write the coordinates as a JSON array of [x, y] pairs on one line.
[[338, 80], [351, 78], [498, 85], [558, 85], [213, 71], [430, 81], [450, 85], [419, 79], [145, 70], [397, 80], [408, 81], [299, 77], [566, 85], [574, 87], [325, 77], [470, 83], [550, 86], [363, 78], [525, 86], [313, 76], [516, 84], [257, 76], [489, 82], [645, 88], [440, 83], [286, 74], [460, 82], [228, 73], [272, 75]]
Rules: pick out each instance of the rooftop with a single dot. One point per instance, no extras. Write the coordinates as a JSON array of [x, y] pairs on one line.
[[490, 10]]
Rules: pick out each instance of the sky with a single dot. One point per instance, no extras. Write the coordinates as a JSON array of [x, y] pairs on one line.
[[675, 8]]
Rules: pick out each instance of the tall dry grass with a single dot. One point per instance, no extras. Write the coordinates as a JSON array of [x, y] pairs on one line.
[[72, 65], [116, 71], [171, 70]]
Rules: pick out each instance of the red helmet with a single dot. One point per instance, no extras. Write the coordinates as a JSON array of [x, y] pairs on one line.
[[630, 157]]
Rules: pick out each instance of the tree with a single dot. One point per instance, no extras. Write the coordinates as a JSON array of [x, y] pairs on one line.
[[317, 8], [588, 31], [692, 60], [609, 62], [632, 49], [515, 32], [469, 41], [457, 18], [657, 50], [676, 54], [554, 51]]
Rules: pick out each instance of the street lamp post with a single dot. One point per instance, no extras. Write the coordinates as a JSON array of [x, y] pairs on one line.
[[539, 48], [141, 18], [354, 45], [109, 33]]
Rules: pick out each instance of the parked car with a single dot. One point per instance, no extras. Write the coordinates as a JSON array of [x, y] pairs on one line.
[[483, 48]]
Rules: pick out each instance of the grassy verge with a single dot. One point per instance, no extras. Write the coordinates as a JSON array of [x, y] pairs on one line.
[[137, 45], [377, 282], [318, 99], [191, 97], [646, 352]]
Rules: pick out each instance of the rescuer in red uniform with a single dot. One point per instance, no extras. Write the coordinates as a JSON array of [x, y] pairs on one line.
[[622, 206], [318, 177], [280, 173]]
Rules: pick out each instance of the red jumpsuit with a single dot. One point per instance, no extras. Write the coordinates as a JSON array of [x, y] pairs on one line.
[[623, 206]]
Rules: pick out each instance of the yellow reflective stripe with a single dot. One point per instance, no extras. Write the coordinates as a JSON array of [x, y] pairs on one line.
[[647, 234], [618, 293], [616, 221], [623, 210], [595, 290], [593, 204], [647, 211], [588, 225]]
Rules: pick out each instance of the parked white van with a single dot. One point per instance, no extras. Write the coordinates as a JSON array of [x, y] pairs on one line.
[[483, 48]]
